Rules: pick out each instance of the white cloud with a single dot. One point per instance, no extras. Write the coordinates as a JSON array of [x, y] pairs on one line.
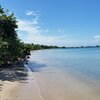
[[36, 20], [29, 13], [30, 31], [97, 38], [33, 33], [28, 26], [32, 13]]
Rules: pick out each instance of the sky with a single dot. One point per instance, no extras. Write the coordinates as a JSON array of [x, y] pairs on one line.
[[57, 22]]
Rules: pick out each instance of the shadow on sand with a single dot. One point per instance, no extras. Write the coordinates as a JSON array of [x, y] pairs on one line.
[[12, 74], [20, 74]]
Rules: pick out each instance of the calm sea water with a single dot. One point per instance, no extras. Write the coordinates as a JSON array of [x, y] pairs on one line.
[[85, 61]]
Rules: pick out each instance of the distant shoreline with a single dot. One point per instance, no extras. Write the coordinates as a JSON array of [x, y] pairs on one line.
[[70, 48], [84, 47]]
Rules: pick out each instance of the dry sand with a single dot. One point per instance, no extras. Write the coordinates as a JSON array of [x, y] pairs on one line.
[[49, 85]]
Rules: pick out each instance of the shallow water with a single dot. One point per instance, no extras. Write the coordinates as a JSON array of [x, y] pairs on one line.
[[82, 60], [67, 73]]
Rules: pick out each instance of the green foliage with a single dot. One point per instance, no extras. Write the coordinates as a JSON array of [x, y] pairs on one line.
[[38, 47], [11, 49]]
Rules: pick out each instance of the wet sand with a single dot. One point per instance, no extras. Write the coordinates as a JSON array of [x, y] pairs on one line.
[[49, 85], [57, 86]]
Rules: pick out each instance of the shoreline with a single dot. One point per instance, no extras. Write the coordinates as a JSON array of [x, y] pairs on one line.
[[46, 85], [65, 87]]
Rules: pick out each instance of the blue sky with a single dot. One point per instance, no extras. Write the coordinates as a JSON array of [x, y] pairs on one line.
[[57, 22]]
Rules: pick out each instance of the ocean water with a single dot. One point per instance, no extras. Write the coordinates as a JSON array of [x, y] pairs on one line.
[[62, 74], [77, 61]]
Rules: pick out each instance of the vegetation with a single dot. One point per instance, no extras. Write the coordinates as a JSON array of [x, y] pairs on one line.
[[38, 47], [12, 50]]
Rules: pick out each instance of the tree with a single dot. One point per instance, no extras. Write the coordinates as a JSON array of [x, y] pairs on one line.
[[11, 48]]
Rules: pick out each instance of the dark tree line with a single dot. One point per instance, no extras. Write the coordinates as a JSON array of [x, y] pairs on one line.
[[38, 46]]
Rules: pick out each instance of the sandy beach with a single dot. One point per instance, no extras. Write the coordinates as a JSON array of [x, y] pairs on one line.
[[46, 85], [49, 49]]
